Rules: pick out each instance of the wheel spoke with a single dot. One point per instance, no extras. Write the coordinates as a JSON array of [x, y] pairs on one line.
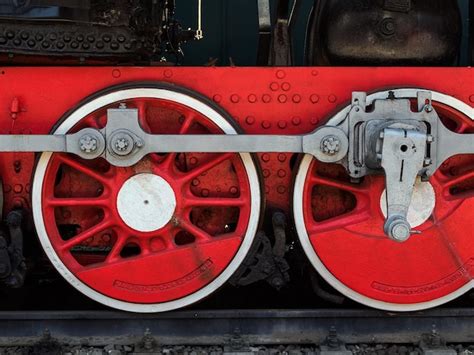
[[341, 185], [142, 108], [459, 179], [83, 236], [197, 232], [207, 166], [77, 202], [122, 240], [71, 162], [339, 222], [463, 127], [186, 126], [193, 201]]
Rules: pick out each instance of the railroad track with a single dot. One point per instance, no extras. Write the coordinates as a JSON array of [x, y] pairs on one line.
[[443, 331]]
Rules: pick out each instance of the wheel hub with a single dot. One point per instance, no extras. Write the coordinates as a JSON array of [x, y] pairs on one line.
[[422, 205], [146, 202]]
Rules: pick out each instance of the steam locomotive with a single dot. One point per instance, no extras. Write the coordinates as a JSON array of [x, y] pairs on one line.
[[149, 185]]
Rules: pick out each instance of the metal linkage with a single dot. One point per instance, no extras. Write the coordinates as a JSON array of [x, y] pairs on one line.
[[405, 144], [389, 138]]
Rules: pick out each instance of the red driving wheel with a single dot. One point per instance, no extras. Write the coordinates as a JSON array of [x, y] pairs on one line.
[[340, 226], [158, 235]]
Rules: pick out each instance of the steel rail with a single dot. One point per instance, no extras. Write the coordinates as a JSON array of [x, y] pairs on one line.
[[252, 327]]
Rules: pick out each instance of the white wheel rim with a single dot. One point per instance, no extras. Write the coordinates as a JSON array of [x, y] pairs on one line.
[[304, 237], [163, 94]]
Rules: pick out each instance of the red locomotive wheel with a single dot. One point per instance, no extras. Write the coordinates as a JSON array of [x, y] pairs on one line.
[[340, 226], [156, 236]]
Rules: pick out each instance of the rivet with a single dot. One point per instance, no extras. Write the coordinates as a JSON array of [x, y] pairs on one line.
[[267, 189], [471, 98], [106, 238], [281, 157], [314, 73], [286, 86], [116, 73], [218, 189], [235, 98], [250, 120], [266, 98], [217, 98], [7, 188], [266, 157], [193, 161], [266, 173], [168, 73], [282, 99], [296, 99], [281, 189], [17, 203], [266, 124], [274, 86], [195, 182], [89, 241], [314, 98], [252, 98], [281, 173], [282, 124], [17, 188], [280, 74], [28, 187], [204, 192], [233, 190], [296, 121], [314, 121], [332, 98]]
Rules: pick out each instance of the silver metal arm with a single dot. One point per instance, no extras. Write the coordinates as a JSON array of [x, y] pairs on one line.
[[389, 138]]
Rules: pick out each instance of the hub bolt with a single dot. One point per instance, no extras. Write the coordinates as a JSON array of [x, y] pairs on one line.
[[88, 143], [122, 144], [330, 145]]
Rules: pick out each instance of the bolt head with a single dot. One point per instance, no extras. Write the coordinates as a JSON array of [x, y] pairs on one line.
[[330, 145], [122, 144], [400, 231], [88, 144]]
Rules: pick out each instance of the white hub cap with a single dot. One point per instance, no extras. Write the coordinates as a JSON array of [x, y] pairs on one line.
[[146, 202], [422, 204]]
